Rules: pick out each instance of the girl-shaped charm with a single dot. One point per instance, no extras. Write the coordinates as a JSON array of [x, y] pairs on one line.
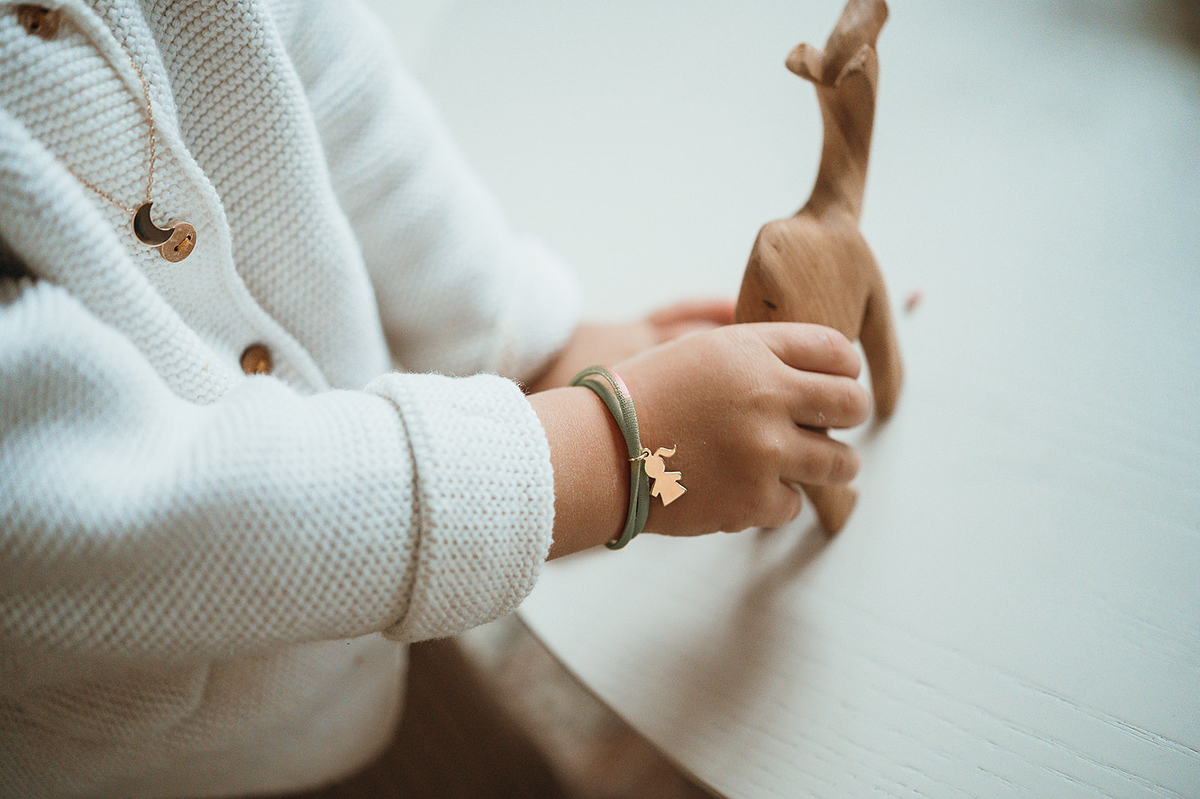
[[666, 484]]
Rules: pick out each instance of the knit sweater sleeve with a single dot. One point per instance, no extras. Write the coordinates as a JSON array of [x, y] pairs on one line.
[[137, 524], [458, 290]]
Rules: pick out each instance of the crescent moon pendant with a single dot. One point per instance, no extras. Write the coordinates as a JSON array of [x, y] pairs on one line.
[[146, 231]]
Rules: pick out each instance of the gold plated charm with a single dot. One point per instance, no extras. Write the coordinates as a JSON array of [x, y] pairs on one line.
[[666, 484], [146, 231], [179, 246], [174, 243]]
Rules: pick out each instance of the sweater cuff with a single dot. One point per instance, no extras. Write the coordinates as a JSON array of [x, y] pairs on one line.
[[484, 494]]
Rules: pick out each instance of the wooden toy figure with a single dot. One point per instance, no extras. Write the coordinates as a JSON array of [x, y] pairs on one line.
[[816, 266]]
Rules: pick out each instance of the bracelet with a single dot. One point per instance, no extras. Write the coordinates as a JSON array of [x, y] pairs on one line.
[[643, 464]]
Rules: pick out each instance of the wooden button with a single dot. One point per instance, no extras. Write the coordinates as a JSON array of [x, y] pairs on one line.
[[256, 360], [39, 20]]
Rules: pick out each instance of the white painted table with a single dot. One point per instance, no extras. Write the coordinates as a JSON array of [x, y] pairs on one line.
[[1014, 608]]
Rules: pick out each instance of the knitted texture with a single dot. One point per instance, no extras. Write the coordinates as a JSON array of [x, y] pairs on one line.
[[196, 566], [419, 268]]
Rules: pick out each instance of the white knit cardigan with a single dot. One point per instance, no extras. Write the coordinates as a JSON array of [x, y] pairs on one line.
[[205, 578]]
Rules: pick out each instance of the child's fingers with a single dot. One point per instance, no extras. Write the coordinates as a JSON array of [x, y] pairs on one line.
[[810, 348], [820, 460], [823, 401], [785, 505], [815, 459]]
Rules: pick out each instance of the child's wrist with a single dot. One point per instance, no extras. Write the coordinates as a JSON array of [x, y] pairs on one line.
[[591, 472], [610, 388]]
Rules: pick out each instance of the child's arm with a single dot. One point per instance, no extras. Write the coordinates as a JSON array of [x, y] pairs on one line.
[[135, 523], [419, 506], [744, 406]]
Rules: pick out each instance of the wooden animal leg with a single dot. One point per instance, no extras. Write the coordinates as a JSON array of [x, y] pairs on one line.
[[883, 352], [833, 504]]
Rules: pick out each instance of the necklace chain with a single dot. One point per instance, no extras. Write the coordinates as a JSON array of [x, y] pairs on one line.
[[174, 243], [149, 109]]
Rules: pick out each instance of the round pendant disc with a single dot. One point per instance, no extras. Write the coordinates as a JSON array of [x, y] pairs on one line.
[[180, 244]]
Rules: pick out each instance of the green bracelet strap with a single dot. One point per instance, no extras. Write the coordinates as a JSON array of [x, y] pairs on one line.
[[611, 389]]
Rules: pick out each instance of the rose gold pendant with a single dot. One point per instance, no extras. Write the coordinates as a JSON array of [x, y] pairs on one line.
[[666, 484], [174, 243]]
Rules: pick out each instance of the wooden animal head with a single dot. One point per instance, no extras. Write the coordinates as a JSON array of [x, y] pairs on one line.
[[816, 266]]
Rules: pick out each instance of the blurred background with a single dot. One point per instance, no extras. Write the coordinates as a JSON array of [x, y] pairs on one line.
[[654, 138]]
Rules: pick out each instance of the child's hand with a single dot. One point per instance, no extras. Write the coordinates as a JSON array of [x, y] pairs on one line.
[[746, 408], [612, 343]]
